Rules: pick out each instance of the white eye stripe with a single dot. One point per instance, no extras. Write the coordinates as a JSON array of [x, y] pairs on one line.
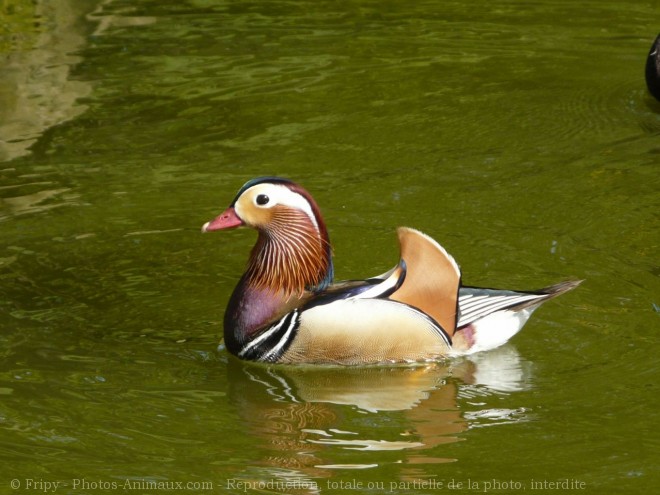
[[302, 204], [281, 195]]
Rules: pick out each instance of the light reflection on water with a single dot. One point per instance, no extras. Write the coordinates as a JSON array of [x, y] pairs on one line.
[[421, 402], [36, 89], [520, 135]]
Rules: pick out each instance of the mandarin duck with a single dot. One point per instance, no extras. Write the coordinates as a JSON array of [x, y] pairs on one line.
[[287, 308]]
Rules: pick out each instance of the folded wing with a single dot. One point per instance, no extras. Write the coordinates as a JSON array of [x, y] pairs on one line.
[[432, 278]]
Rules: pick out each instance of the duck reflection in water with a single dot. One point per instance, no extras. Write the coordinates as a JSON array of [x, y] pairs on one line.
[[311, 420]]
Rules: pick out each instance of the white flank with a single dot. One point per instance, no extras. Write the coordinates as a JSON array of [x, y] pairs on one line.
[[497, 328]]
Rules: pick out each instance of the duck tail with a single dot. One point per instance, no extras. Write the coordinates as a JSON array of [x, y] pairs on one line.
[[560, 288], [493, 325]]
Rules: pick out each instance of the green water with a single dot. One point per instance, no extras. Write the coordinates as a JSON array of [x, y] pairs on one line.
[[518, 134]]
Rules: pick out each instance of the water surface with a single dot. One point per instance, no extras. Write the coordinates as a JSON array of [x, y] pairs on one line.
[[520, 136]]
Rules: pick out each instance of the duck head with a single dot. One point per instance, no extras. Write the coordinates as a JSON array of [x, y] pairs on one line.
[[292, 254]]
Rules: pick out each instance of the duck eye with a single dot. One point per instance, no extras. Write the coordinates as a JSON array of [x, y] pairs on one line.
[[262, 200]]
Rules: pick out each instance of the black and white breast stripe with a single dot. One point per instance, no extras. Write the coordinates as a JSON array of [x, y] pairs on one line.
[[272, 342], [475, 305]]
